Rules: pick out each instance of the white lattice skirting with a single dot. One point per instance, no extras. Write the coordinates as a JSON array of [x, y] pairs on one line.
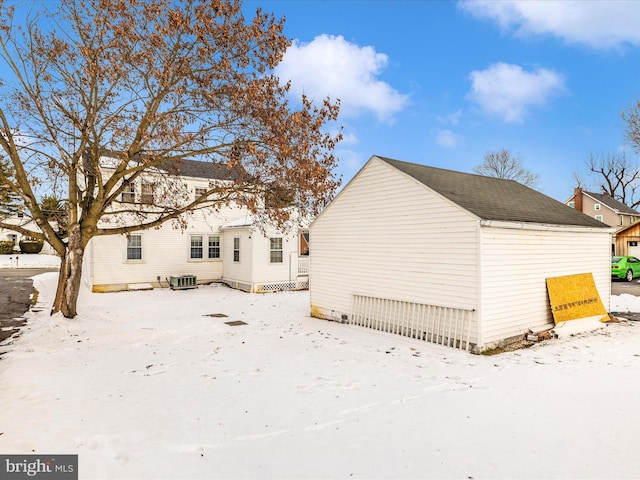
[[280, 287], [447, 326]]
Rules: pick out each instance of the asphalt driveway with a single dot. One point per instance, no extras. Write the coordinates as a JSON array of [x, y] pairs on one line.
[[16, 288], [618, 287]]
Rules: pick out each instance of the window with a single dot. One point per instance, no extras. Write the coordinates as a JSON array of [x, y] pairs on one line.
[[20, 214], [197, 250], [572, 204], [13, 238], [304, 244], [134, 247], [236, 249], [275, 250], [200, 192], [596, 206], [146, 195], [196, 246], [214, 247], [599, 218], [129, 192]]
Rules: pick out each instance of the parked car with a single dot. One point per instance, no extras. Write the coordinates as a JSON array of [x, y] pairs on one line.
[[625, 268]]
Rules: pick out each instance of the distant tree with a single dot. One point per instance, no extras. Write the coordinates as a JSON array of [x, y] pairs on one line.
[[157, 81], [9, 199], [617, 176], [502, 164], [55, 212]]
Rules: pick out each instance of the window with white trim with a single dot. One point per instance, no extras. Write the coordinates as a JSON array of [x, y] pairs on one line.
[[236, 249], [129, 192], [134, 247], [214, 247], [197, 248], [596, 206], [275, 250], [572, 204], [146, 193], [599, 218]]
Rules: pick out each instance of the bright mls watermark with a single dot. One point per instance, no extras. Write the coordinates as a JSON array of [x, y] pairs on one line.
[[37, 467]]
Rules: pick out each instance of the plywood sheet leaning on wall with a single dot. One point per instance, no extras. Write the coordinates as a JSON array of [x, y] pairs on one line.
[[575, 304]]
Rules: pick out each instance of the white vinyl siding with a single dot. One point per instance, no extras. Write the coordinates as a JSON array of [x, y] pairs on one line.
[[388, 236], [165, 254], [516, 264], [241, 271]]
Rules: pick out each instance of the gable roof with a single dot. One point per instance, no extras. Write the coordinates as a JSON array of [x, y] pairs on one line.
[[495, 198], [198, 169], [186, 168], [612, 203]]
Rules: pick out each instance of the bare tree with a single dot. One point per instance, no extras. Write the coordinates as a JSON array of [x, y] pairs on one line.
[[631, 118], [502, 164], [616, 176], [157, 82]]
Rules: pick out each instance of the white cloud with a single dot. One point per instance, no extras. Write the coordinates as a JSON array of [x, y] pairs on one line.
[[596, 23], [446, 138], [452, 118], [506, 90], [331, 66]]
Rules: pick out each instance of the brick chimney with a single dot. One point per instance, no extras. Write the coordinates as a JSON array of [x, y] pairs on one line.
[[577, 199]]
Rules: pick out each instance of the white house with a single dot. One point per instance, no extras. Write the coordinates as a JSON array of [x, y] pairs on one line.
[[22, 220], [218, 245], [448, 257]]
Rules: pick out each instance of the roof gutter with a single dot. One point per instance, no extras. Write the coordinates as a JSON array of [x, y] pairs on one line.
[[543, 227]]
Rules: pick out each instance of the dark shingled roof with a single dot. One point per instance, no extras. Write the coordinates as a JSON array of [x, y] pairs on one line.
[[195, 168], [495, 198], [612, 203]]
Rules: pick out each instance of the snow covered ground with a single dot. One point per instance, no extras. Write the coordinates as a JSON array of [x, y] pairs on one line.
[[154, 385], [20, 260]]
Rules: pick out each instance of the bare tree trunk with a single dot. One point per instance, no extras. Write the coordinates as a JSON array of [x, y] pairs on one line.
[[70, 275]]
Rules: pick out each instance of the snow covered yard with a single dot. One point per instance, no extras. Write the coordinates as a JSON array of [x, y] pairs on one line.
[[149, 385]]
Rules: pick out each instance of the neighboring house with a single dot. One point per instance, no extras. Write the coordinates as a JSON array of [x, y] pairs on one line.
[[448, 257], [604, 208], [627, 241], [218, 245], [22, 220]]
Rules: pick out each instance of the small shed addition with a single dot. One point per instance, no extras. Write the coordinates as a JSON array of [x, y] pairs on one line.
[[448, 257], [628, 240]]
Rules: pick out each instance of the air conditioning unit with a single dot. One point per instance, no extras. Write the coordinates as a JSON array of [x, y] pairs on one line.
[[182, 282]]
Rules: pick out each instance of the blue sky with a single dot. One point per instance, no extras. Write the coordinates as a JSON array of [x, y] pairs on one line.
[[442, 82]]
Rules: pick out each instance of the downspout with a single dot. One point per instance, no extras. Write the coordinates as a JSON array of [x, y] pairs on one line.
[[479, 289]]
